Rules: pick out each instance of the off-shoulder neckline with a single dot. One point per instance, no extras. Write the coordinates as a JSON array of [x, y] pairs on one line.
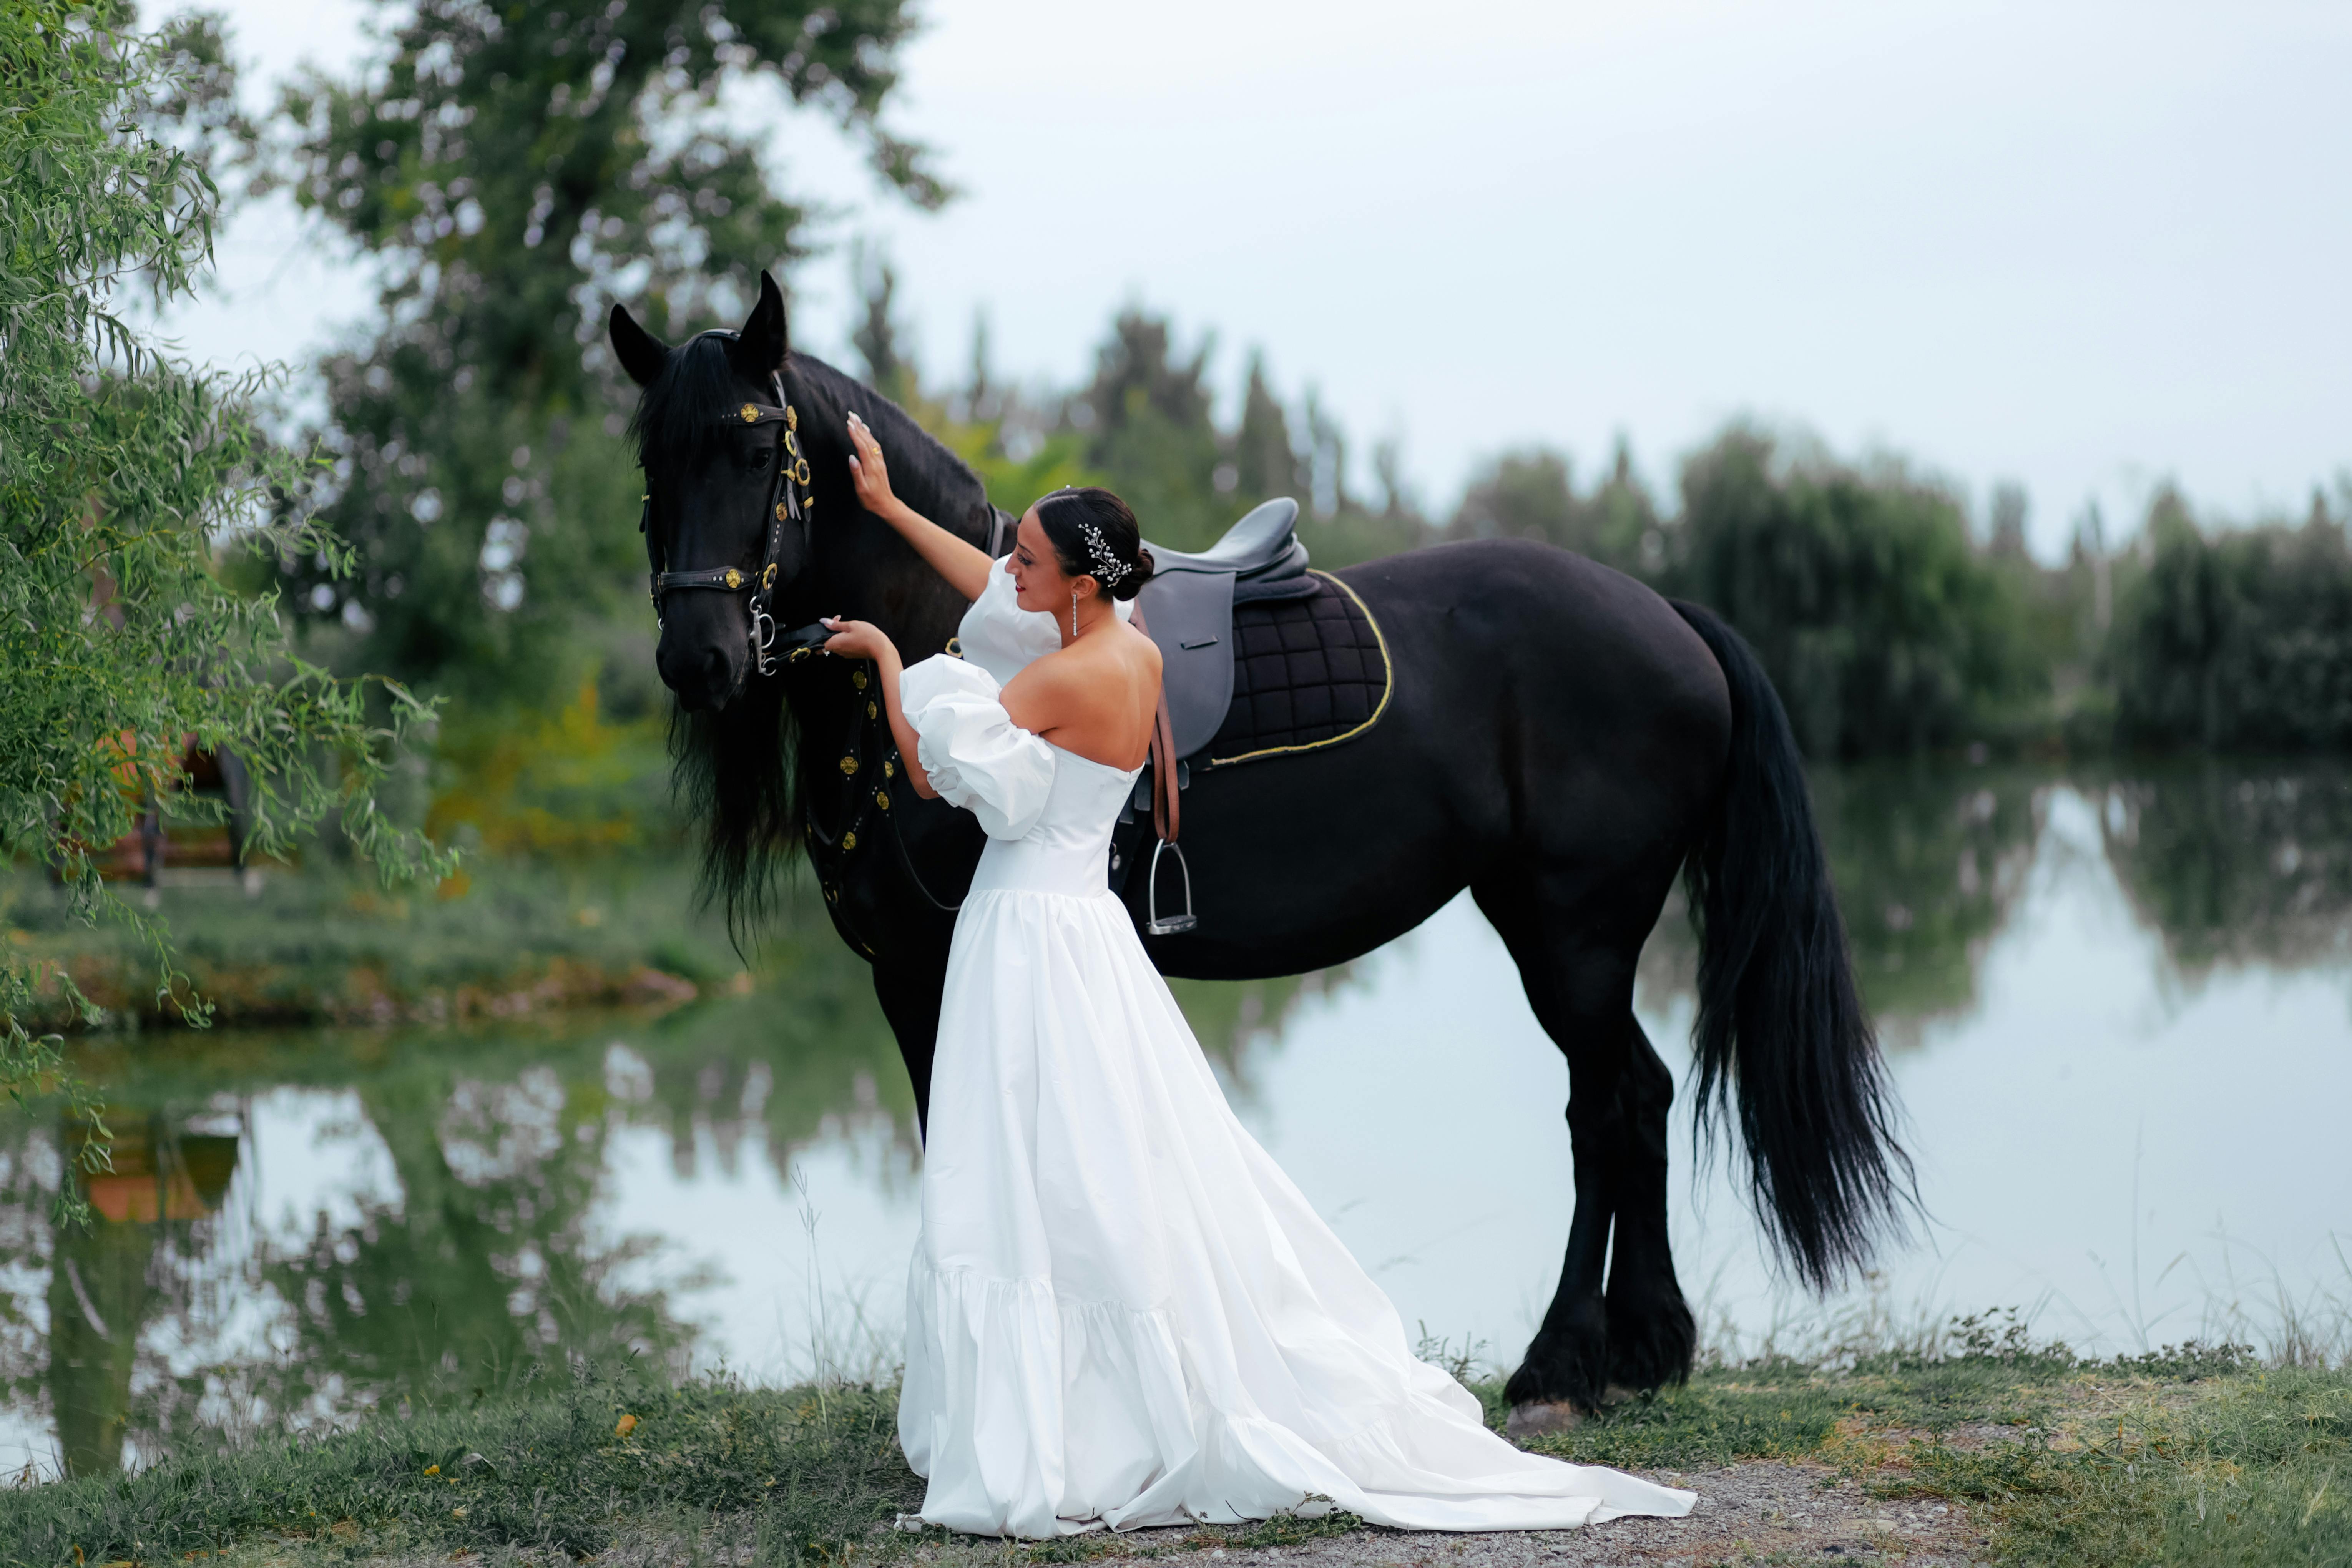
[[1107, 767]]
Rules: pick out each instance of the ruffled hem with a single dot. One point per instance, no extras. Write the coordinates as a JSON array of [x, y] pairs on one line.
[[1034, 1415]]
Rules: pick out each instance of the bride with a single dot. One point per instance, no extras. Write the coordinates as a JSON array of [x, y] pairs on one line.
[[1120, 1311]]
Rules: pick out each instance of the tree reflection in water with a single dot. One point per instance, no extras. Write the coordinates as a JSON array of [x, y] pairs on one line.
[[1928, 863], [2233, 866], [180, 1316]]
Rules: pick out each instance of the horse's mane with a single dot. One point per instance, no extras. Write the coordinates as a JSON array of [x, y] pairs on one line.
[[924, 472], [681, 412], [736, 769]]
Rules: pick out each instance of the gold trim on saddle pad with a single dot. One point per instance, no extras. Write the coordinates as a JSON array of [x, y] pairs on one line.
[[1388, 684]]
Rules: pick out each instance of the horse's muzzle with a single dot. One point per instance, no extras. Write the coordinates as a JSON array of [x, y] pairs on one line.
[[706, 677]]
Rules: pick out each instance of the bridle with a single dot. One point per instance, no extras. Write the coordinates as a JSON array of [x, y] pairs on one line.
[[788, 503]]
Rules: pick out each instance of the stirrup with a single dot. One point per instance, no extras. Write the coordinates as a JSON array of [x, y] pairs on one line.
[[1174, 925]]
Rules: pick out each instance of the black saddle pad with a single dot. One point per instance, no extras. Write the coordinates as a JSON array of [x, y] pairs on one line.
[[1308, 672]]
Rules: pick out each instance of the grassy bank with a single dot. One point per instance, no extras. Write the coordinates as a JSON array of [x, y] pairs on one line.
[[330, 944], [2189, 1456]]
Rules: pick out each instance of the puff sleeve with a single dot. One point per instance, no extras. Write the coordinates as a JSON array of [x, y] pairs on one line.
[[975, 756], [1001, 637]]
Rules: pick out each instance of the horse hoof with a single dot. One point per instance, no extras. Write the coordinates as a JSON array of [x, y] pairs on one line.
[[1538, 1418]]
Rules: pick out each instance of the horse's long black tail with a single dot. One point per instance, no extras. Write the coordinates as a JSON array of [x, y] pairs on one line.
[[1782, 1032]]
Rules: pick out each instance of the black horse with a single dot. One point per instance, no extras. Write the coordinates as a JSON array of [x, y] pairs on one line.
[[1560, 739]]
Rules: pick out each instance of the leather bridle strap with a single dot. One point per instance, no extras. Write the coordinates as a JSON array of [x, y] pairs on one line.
[[784, 508]]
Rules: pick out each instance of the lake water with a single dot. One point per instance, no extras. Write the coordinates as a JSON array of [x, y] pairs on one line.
[[2119, 1010]]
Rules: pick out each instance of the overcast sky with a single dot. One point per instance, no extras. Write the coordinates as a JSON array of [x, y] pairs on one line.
[[2083, 245]]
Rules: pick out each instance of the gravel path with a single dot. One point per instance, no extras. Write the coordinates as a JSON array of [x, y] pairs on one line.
[[1745, 1512]]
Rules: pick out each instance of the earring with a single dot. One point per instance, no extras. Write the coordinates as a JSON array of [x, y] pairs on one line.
[[1073, 612]]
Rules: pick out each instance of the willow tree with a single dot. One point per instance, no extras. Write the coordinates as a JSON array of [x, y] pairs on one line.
[[127, 480]]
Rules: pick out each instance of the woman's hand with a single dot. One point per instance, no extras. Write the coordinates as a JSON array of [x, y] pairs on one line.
[[963, 565], [868, 472], [858, 640], [863, 639]]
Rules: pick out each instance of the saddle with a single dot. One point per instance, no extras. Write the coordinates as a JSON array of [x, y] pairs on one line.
[[1295, 669], [1188, 609]]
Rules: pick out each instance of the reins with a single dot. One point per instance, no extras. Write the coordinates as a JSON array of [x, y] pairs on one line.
[[869, 799]]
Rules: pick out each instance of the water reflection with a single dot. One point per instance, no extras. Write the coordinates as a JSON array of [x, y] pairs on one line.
[[305, 1224], [2232, 867]]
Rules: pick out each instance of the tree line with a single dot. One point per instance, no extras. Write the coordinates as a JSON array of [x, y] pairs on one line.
[[512, 173], [1892, 624]]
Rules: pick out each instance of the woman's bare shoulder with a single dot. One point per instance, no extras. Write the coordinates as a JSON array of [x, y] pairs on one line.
[[1143, 647]]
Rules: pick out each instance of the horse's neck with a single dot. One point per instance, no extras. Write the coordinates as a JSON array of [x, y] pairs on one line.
[[876, 579]]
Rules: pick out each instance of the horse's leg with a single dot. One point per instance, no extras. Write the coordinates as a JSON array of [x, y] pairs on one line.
[[1650, 1332], [1579, 983], [910, 989]]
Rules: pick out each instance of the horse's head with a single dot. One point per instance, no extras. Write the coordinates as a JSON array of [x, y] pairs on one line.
[[718, 462]]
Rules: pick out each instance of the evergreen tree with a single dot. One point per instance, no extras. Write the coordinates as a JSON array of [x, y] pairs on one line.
[[1146, 421], [1265, 463], [875, 337]]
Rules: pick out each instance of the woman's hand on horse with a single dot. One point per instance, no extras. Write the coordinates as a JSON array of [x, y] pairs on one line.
[[867, 470], [857, 639]]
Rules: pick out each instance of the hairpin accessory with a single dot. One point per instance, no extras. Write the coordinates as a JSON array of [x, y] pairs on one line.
[[1108, 568]]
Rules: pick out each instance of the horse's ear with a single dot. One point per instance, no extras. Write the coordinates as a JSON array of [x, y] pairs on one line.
[[641, 352], [763, 339]]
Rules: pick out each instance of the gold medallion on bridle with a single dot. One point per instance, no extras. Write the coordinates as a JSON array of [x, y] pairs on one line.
[[750, 412], [850, 841], [781, 511], [734, 578], [792, 417]]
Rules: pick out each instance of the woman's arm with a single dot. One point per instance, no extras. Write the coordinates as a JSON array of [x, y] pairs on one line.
[[863, 639], [965, 565]]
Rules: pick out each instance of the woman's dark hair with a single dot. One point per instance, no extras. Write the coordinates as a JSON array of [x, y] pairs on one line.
[[1067, 514]]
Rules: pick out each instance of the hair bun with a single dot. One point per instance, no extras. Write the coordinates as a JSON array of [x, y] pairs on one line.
[[1144, 566]]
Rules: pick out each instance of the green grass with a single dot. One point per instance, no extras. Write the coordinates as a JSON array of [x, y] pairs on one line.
[[2251, 1473], [327, 943], [2193, 1454], [805, 1468], [2198, 1456]]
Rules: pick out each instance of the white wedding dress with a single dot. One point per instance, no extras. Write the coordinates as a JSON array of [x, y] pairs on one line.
[[1120, 1311]]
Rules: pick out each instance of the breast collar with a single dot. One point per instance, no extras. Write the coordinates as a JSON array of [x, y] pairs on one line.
[[789, 505]]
